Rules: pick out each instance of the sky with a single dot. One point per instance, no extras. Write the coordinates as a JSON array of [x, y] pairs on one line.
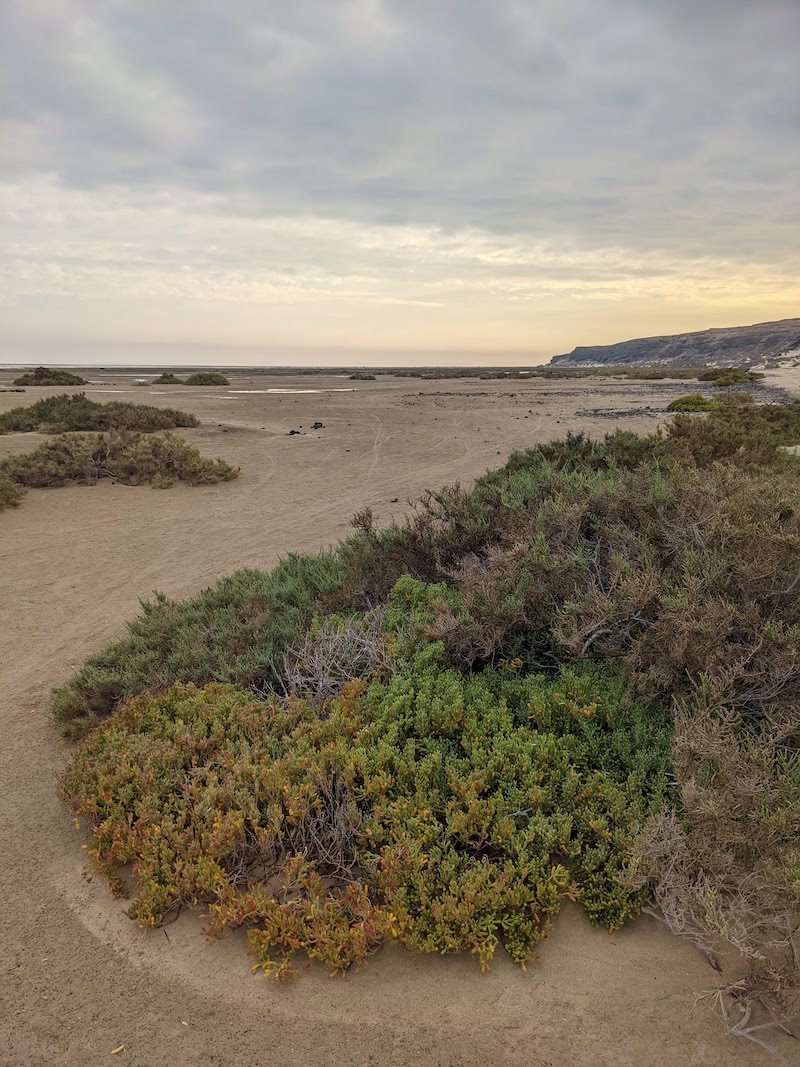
[[392, 181]]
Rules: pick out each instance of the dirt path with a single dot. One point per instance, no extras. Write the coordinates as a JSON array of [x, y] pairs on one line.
[[78, 979]]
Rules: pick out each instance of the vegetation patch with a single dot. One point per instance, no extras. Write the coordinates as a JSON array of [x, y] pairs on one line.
[[47, 376], [362, 376], [131, 458], [694, 402], [654, 372], [167, 378], [448, 812], [11, 492], [588, 607], [76, 412], [207, 378], [736, 377]]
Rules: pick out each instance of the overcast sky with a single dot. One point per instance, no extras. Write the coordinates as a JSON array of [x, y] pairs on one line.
[[387, 180]]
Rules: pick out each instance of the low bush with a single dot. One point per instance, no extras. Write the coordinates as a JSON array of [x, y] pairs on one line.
[[446, 812], [76, 412], [207, 378], [362, 376], [130, 458], [11, 492], [47, 376], [736, 378], [239, 631], [167, 378], [694, 402]]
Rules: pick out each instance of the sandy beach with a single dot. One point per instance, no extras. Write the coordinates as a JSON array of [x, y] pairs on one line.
[[78, 978]]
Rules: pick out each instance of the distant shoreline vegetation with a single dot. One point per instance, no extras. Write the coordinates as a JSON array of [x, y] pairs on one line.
[[647, 372]]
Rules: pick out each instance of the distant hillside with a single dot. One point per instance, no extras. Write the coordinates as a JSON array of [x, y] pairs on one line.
[[767, 344]]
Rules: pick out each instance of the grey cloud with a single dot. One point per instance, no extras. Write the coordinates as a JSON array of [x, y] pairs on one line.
[[603, 122]]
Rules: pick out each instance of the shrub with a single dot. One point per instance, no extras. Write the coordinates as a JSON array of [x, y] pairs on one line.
[[162, 460], [694, 402], [446, 812], [207, 378], [130, 458], [362, 376], [736, 377], [336, 650], [46, 376], [167, 378], [67, 413], [11, 492]]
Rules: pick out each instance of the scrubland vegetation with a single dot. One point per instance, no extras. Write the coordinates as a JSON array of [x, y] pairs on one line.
[[46, 376], [735, 377], [167, 378], [694, 402], [76, 412], [657, 372], [127, 457], [116, 440], [11, 492], [578, 678], [207, 378]]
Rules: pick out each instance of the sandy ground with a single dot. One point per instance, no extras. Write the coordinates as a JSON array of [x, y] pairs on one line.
[[77, 978]]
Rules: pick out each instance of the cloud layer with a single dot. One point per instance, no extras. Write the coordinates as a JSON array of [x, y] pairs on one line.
[[397, 174]]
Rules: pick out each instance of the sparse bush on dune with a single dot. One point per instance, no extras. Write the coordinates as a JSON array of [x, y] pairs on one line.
[[76, 412], [167, 378], [672, 561], [207, 378], [162, 460], [131, 458], [11, 492], [48, 376]]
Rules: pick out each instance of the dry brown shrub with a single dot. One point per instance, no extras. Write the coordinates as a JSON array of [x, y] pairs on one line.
[[721, 868], [334, 652]]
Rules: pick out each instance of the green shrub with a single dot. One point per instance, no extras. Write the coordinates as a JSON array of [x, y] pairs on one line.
[[11, 492], [694, 402], [739, 431], [46, 376], [127, 457], [167, 378], [207, 378], [736, 377], [362, 376], [67, 413], [448, 813]]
